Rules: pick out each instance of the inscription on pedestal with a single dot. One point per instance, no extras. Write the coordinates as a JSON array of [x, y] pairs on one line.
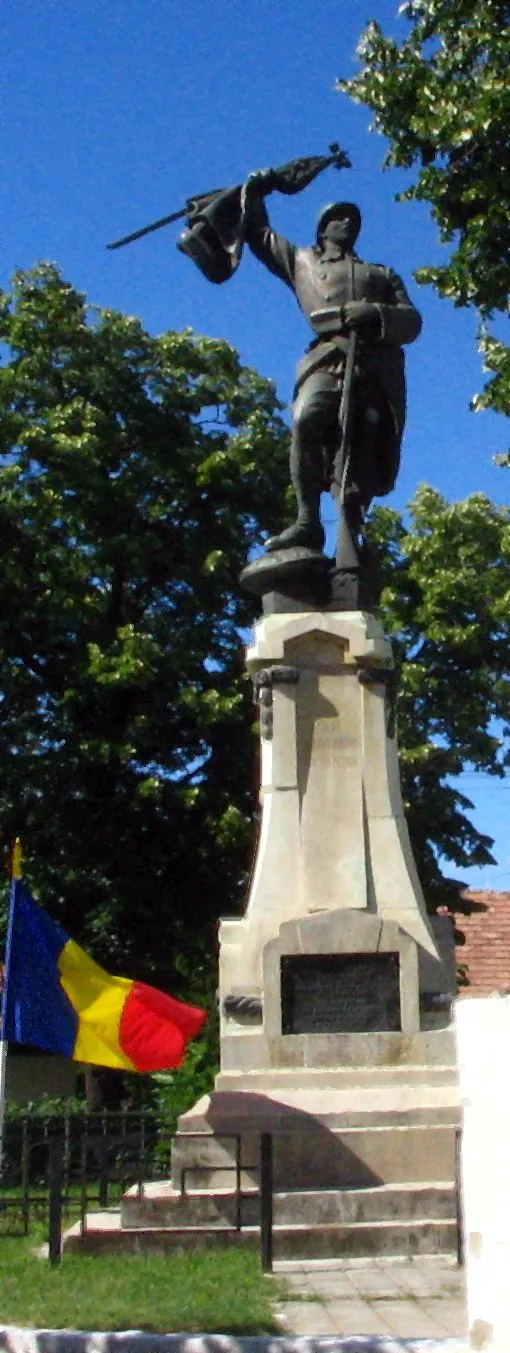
[[340, 993]]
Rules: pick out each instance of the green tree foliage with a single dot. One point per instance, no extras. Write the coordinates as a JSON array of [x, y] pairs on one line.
[[446, 604], [135, 474], [442, 98]]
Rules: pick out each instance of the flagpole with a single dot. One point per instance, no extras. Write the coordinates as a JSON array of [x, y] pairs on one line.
[[15, 872]]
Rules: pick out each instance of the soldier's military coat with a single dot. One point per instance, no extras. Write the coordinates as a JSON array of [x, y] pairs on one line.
[[323, 279]]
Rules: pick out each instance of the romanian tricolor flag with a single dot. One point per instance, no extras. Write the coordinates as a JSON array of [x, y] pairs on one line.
[[56, 997]]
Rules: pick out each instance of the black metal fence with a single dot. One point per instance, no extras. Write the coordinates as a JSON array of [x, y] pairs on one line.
[[99, 1155], [56, 1167]]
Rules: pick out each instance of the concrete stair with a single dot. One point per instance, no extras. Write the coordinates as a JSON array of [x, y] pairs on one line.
[[392, 1220], [361, 1135], [104, 1234], [162, 1205], [349, 1158], [363, 1165]]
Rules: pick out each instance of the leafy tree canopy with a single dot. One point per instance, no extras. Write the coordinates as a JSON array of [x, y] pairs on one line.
[[442, 98], [445, 603], [135, 473]]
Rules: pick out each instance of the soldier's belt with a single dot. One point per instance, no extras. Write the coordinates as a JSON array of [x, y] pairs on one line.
[[328, 322]]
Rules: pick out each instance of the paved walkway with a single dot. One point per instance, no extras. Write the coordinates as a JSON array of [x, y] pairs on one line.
[[422, 1298]]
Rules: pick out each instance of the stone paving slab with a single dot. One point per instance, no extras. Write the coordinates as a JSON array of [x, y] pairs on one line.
[[356, 1317], [371, 1284], [410, 1320], [321, 1285], [310, 1317], [411, 1300]]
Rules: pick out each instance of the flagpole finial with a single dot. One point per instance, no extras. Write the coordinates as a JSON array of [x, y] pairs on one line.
[[15, 860]]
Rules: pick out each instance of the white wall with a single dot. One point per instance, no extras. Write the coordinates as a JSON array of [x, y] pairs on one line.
[[483, 1034]]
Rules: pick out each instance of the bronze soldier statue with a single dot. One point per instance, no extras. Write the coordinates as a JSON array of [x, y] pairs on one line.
[[349, 399], [341, 296]]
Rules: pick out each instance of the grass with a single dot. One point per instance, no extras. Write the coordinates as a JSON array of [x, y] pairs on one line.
[[208, 1291]]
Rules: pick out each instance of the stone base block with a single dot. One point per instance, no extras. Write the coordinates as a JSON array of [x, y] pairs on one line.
[[319, 1142], [252, 1050], [338, 1078]]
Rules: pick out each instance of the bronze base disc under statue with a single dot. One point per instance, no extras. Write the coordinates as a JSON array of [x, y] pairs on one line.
[[299, 579], [295, 566]]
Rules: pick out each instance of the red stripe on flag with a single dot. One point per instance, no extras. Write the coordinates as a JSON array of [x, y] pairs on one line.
[[155, 1028]]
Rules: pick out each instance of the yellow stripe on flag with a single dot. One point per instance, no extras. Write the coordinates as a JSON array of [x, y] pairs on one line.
[[98, 1000]]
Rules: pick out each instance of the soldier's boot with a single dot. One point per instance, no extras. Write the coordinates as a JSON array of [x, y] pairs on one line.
[[307, 531], [307, 534]]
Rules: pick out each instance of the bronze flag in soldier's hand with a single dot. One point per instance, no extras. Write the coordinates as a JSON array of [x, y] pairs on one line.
[[288, 178]]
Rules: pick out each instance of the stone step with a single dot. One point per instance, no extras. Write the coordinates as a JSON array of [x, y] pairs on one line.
[[362, 1114], [104, 1234], [291, 1113], [314, 1156], [339, 1077], [365, 1239], [403, 1202], [162, 1205], [282, 1106]]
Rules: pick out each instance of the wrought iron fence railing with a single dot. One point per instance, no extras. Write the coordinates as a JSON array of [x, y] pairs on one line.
[[99, 1156], [56, 1168]]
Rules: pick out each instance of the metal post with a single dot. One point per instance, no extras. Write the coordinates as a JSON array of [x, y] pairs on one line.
[[103, 1173], [458, 1199], [3, 1077], [143, 1156], [55, 1161], [239, 1202], [83, 1183], [103, 1161], [67, 1148], [266, 1202], [25, 1173]]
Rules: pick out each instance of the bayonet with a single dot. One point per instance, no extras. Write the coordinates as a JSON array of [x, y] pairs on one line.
[[189, 207]]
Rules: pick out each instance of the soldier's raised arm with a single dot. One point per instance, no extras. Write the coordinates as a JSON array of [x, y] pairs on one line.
[[273, 250]]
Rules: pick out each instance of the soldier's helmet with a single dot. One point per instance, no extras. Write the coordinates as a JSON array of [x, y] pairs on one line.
[[337, 211]]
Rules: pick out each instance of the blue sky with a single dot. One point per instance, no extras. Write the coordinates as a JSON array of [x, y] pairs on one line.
[[114, 113]]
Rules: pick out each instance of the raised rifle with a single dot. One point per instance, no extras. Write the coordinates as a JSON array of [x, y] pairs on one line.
[[343, 455], [347, 553]]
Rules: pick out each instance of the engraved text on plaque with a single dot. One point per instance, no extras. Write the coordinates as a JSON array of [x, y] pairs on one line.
[[340, 993]]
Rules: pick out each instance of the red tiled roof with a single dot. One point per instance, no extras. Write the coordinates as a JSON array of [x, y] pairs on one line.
[[483, 942]]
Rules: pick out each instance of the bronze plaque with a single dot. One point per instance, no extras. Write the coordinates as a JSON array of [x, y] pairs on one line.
[[340, 993]]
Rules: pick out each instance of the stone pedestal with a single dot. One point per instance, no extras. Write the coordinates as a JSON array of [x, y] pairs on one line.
[[334, 873], [334, 986]]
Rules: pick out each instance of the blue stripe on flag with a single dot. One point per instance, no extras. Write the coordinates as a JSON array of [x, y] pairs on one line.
[[37, 1010]]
